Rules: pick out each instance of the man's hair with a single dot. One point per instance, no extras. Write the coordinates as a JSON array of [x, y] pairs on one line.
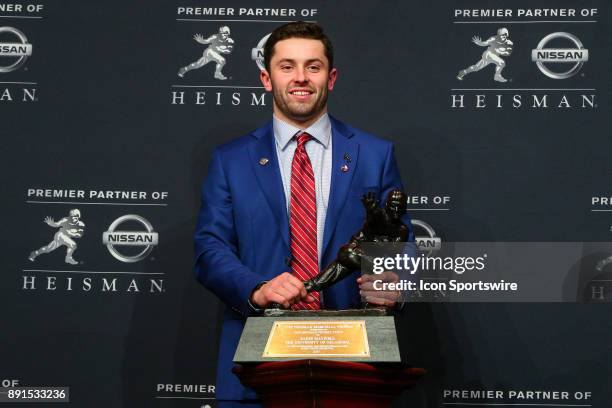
[[298, 29]]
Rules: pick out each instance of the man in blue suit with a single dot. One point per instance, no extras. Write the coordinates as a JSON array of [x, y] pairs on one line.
[[245, 242]]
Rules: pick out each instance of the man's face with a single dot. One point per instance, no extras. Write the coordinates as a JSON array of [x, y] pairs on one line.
[[503, 37], [224, 34], [299, 79]]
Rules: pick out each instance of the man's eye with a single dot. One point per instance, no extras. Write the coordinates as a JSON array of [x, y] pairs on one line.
[[314, 68], [286, 67]]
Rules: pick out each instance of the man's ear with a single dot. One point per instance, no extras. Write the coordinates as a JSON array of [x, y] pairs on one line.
[[333, 75], [265, 80]]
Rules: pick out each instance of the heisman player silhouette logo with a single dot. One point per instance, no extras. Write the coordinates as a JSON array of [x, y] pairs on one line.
[[498, 46], [218, 44], [69, 227]]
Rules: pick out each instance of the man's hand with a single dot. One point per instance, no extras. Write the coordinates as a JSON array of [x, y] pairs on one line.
[[49, 221], [199, 38], [285, 290], [387, 298]]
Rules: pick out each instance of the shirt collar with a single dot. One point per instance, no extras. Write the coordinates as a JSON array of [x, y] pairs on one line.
[[284, 132]]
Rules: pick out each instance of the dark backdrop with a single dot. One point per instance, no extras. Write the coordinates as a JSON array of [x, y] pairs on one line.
[[98, 106]]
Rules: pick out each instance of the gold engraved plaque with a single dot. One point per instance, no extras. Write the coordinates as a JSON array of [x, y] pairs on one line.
[[318, 338]]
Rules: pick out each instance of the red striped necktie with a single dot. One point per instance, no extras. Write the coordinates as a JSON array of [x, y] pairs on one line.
[[303, 220]]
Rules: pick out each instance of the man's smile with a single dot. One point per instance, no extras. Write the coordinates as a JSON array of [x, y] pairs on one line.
[[301, 93]]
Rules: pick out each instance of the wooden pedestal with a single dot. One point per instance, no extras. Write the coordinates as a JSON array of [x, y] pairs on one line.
[[326, 384]]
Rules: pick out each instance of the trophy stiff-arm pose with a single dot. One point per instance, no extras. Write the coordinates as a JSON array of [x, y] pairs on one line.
[[381, 225]]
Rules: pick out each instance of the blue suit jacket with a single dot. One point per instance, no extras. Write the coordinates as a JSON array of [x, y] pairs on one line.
[[242, 235]]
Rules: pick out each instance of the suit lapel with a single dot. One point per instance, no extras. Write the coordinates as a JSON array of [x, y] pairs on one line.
[[268, 176], [342, 145]]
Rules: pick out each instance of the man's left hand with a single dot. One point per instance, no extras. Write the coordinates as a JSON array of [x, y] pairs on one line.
[[382, 297]]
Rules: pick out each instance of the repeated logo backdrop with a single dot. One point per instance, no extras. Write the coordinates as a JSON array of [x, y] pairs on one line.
[[110, 111]]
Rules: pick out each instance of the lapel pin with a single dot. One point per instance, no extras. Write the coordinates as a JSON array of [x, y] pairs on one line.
[[344, 168], [263, 161], [347, 158]]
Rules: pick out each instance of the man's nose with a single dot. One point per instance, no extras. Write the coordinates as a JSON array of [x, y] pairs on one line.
[[301, 75]]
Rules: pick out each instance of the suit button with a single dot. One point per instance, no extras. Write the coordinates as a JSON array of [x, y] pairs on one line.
[[288, 261]]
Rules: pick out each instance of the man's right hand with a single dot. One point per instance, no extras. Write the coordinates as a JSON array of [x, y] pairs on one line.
[[285, 290]]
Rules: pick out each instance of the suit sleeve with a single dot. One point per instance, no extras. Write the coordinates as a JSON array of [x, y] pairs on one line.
[[217, 265]]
